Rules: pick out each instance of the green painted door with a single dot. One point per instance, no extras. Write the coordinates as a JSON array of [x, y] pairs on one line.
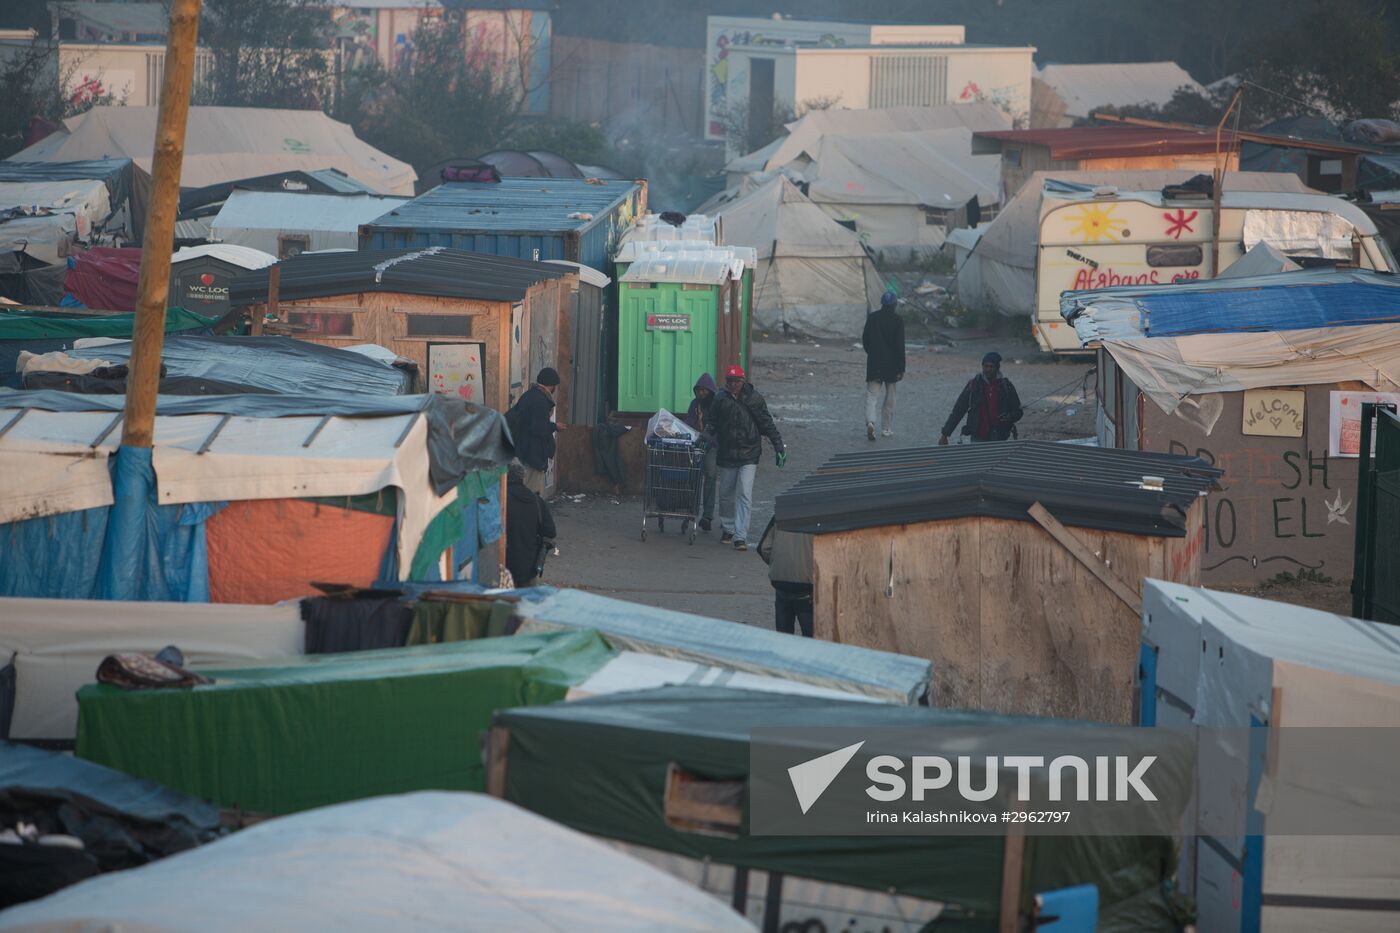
[[666, 339]]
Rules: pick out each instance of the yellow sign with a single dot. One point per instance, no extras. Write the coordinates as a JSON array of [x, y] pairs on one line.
[[1273, 412]]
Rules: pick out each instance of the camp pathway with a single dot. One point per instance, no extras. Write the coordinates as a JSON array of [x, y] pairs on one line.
[[816, 392]]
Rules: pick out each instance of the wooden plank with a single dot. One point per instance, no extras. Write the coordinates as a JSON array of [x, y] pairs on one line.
[[497, 749], [1013, 860], [1086, 557]]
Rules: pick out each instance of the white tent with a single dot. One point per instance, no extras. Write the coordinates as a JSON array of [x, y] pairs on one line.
[[813, 275], [57, 644], [1007, 248], [227, 143], [425, 861], [260, 219]]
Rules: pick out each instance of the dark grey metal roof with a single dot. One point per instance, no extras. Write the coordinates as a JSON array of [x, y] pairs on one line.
[[511, 205], [436, 270], [1089, 487]]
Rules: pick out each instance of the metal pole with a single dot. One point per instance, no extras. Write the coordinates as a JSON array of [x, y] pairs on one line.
[[154, 287]]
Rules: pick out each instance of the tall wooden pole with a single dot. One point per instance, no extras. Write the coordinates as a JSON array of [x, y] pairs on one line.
[[153, 289]]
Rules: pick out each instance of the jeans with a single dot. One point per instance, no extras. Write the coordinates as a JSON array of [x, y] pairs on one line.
[[873, 400], [788, 609], [734, 515], [711, 468]]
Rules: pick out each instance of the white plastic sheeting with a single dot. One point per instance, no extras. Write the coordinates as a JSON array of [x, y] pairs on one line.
[[632, 250], [257, 219], [932, 168], [244, 256], [55, 464], [813, 276], [428, 861], [632, 670], [1260, 259], [73, 208], [226, 144], [652, 227], [1311, 234], [1084, 88], [56, 645], [713, 266]]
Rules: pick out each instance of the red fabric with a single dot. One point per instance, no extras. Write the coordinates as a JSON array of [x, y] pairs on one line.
[[990, 414], [268, 550], [734, 372], [104, 278]]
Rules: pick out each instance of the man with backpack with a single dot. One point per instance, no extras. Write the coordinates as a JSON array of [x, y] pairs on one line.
[[532, 429], [741, 421]]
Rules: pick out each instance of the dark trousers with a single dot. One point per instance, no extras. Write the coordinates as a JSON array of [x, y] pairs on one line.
[[790, 609], [710, 472]]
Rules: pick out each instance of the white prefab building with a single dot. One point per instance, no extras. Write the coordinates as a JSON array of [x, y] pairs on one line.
[[879, 76]]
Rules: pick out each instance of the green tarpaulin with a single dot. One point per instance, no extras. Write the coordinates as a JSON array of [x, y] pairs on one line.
[[616, 750], [28, 325], [329, 728]]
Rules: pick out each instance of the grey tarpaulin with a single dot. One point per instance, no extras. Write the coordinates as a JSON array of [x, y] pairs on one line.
[[258, 364], [894, 678], [461, 436]]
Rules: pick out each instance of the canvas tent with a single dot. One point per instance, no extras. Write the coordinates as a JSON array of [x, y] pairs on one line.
[[813, 276], [227, 143], [1006, 251], [418, 862]]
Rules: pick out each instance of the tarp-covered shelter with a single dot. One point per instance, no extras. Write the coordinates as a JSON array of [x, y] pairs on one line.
[[227, 143], [348, 725], [207, 365], [881, 675], [1006, 251], [119, 821], [55, 646], [417, 862], [104, 277], [1262, 375], [45, 330], [47, 206], [285, 223], [620, 754], [812, 276], [244, 498]]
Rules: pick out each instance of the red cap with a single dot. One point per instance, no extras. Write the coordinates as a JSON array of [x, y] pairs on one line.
[[734, 372]]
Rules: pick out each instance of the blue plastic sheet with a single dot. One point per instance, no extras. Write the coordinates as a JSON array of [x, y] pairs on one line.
[[53, 557], [1297, 307]]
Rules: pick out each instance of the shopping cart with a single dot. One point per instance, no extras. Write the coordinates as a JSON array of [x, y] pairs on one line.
[[675, 475]]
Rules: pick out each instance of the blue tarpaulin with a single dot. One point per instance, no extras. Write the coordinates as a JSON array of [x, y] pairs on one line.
[[1174, 313]]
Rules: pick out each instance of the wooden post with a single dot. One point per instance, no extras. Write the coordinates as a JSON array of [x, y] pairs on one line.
[[1013, 860], [153, 289], [1217, 188]]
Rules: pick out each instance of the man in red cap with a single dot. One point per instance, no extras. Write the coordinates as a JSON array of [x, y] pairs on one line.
[[740, 420]]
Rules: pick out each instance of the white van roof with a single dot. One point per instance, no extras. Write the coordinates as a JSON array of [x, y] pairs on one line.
[[1237, 200]]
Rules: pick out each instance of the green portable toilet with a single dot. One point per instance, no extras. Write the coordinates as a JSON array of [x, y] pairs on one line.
[[680, 314]]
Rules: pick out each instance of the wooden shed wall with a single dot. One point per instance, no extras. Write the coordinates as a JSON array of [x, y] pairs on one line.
[[1011, 620]]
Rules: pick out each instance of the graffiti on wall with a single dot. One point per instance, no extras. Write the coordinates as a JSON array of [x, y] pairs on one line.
[[1095, 222]]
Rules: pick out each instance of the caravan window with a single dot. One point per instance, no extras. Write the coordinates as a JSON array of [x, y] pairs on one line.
[[1173, 256]]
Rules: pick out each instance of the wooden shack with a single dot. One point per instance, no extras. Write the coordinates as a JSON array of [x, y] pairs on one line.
[[1015, 567]]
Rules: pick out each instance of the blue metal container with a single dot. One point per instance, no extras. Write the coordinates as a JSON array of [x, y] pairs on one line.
[[527, 218]]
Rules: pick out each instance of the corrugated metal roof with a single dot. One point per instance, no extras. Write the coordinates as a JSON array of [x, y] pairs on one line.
[[244, 256], [1113, 142], [448, 273], [512, 205], [1089, 487]]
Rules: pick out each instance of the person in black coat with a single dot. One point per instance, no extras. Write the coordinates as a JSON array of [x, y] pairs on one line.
[[530, 529], [883, 340], [991, 405], [532, 429], [740, 419]]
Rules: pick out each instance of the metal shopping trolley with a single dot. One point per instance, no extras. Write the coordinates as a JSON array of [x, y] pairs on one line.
[[675, 476]]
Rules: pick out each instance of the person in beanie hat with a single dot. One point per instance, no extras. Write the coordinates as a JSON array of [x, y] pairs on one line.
[[883, 340], [532, 428], [740, 421], [991, 405]]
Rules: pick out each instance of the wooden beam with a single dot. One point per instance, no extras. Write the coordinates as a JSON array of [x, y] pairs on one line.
[[1013, 860], [497, 748], [1086, 557], [153, 288]]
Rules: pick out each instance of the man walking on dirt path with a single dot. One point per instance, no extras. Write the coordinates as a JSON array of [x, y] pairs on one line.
[[883, 340], [741, 421], [532, 428], [991, 405]]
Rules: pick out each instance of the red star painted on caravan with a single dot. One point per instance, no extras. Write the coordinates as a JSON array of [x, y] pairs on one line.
[[1179, 223]]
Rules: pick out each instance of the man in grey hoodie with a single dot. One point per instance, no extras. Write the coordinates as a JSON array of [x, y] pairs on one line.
[[698, 417]]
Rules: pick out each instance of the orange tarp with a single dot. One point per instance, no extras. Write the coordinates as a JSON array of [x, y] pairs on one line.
[[266, 550]]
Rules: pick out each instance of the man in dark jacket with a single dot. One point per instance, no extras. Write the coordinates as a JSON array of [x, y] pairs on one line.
[[740, 419], [698, 417], [532, 428], [991, 405], [788, 555], [883, 340], [529, 529]]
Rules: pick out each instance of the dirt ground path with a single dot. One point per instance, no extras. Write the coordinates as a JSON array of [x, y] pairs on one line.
[[815, 391]]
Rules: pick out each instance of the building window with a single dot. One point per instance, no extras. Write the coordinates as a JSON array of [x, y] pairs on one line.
[[1173, 256], [322, 323], [439, 325], [289, 245], [1011, 156]]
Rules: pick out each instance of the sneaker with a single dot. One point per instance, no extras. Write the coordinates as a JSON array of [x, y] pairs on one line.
[[704, 524], [887, 433], [726, 537], [869, 431], [741, 545]]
